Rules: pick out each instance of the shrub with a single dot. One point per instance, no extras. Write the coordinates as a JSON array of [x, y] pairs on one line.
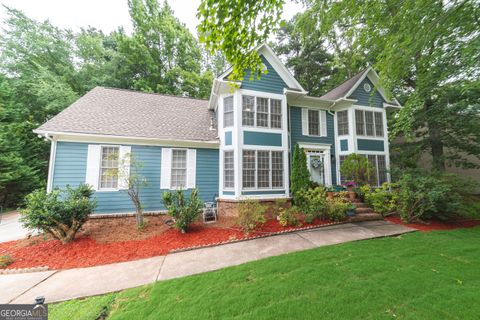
[[183, 209], [300, 177], [336, 209], [383, 200], [312, 201], [5, 261], [287, 217], [61, 213], [356, 168], [251, 215]]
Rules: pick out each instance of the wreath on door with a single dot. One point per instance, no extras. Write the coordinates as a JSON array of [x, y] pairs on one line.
[[316, 163]]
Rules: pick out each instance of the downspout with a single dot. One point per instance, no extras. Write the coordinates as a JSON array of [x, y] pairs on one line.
[[51, 164]]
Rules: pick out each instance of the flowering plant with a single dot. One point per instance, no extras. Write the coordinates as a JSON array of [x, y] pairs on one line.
[[349, 184]]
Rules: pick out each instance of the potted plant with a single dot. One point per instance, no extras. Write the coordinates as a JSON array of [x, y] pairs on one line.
[[330, 191], [351, 209], [351, 185]]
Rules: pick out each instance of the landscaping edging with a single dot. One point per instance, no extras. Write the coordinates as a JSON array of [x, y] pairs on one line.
[[24, 270], [269, 234]]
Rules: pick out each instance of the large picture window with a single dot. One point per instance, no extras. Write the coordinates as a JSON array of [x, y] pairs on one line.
[[228, 170], [179, 168], [379, 165], [261, 112], [228, 112], [109, 168], [262, 169], [369, 123], [342, 122]]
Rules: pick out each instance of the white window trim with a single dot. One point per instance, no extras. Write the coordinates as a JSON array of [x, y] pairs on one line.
[[348, 123], [223, 169], [223, 111], [364, 135], [186, 169]]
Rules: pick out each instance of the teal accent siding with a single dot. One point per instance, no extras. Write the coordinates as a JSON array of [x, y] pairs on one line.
[[297, 137], [370, 145], [270, 82], [229, 193], [344, 145], [372, 98], [246, 193], [228, 138], [71, 166], [262, 139]]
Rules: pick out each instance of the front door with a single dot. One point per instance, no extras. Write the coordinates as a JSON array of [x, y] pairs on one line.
[[316, 166]]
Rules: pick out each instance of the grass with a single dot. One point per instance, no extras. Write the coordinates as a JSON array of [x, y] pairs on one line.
[[432, 275]]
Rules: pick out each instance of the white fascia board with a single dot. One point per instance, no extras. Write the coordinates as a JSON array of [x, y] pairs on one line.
[[220, 87], [98, 138], [375, 78]]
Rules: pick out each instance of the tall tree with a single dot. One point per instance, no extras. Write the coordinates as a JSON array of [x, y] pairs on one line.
[[426, 51]]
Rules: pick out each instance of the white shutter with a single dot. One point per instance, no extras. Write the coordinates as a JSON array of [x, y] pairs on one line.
[[93, 165], [166, 168], [323, 123], [191, 168], [124, 166], [305, 121]]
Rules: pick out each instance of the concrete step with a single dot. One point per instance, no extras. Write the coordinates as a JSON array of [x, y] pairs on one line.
[[363, 210], [366, 217], [361, 205]]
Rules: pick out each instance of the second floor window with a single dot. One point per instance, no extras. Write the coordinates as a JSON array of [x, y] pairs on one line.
[[228, 112], [342, 122], [261, 112], [369, 123], [313, 123]]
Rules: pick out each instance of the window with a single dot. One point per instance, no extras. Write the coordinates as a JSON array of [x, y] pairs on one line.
[[378, 124], [342, 122], [379, 165], [179, 168], [262, 112], [277, 169], [262, 169], [248, 110], [359, 122], [248, 174], [275, 113], [313, 122], [369, 123], [109, 168], [373, 161], [342, 178], [228, 170], [228, 112]]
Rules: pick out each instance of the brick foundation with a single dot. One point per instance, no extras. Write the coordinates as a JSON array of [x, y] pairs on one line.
[[229, 208]]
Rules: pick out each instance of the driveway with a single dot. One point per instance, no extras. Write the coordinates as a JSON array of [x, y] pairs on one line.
[[11, 228]]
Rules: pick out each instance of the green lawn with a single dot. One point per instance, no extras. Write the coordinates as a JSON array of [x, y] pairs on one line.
[[432, 275]]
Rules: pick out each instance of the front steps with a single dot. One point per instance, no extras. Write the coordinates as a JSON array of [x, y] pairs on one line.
[[363, 212]]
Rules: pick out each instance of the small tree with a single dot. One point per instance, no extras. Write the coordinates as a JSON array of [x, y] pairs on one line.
[[134, 181], [60, 213], [300, 177], [184, 210], [357, 168]]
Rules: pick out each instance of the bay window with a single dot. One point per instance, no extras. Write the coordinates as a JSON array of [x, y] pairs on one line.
[[261, 112], [228, 111], [342, 122], [228, 170], [369, 123]]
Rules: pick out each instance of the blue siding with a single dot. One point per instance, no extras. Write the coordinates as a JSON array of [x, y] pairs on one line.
[[270, 82], [344, 145], [71, 166], [370, 145], [228, 138], [262, 138], [372, 98], [229, 193], [297, 137]]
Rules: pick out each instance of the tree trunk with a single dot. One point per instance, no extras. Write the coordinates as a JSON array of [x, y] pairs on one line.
[[435, 142]]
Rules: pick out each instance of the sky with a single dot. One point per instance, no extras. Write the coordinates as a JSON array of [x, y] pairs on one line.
[[106, 15]]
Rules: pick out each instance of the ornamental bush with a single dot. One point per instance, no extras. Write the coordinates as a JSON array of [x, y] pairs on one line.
[[312, 201], [251, 215], [60, 213], [183, 209], [383, 200], [300, 177], [356, 168], [336, 209]]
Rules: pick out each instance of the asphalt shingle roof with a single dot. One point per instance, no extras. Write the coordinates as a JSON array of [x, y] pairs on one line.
[[118, 112], [342, 90]]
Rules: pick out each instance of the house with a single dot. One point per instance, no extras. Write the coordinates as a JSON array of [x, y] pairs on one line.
[[237, 145]]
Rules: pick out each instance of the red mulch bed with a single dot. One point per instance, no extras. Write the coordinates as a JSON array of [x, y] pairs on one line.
[[434, 225], [105, 241]]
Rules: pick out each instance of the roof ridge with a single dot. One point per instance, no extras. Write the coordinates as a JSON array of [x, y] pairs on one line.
[[151, 93]]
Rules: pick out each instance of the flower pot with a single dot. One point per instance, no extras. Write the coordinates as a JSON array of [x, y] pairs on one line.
[[350, 188], [330, 195], [350, 213], [352, 195]]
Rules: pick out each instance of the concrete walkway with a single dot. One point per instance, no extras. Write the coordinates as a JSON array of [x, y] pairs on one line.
[[11, 228], [83, 282]]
